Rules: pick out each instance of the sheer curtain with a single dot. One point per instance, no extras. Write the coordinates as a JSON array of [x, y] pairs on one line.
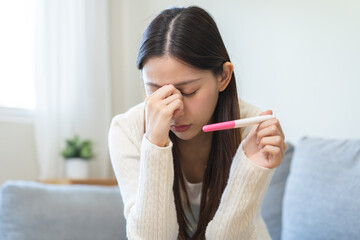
[[72, 82]]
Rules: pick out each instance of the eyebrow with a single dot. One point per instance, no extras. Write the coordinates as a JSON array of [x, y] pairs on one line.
[[176, 85]]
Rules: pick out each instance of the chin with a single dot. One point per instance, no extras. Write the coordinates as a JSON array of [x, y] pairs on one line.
[[188, 135], [183, 136]]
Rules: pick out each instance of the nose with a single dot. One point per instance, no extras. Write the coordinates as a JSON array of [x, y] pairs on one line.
[[178, 113]]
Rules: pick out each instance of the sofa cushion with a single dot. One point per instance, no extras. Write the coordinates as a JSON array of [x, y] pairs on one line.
[[323, 190], [1, 230], [271, 209], [32, 210]]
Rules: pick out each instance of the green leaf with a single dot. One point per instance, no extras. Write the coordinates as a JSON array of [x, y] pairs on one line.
[[77, 148]]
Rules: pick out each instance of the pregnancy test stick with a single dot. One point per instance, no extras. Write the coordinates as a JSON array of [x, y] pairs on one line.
[[236, 123]]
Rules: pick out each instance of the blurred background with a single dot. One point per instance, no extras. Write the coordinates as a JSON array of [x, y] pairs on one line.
[[68, 67]]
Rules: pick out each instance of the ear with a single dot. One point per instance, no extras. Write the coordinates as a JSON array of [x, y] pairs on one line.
[[225, 77]]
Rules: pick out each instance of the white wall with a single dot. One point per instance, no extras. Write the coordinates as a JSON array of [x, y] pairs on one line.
[[299, 58], [17, 151], [126, 26]]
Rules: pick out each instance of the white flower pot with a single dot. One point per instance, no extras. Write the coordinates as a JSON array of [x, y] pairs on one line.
[[77, 168]]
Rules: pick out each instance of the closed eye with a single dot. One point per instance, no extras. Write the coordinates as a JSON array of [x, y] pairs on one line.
[[188, 94]]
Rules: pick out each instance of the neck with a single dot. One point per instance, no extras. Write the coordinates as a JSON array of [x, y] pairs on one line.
[[194, 156], [198, 145], [202, 141]]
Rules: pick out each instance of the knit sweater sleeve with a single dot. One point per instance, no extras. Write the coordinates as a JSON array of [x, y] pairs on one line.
[[240, 203], [238, 215], [145, 175]]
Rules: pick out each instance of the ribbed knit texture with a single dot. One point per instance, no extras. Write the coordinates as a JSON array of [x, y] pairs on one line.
[[241, 200], [145, 176]]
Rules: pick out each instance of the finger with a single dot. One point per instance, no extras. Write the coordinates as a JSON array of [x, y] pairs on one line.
[[255, 129], [172, 98], [167, 91], [270, 122], [164, 92], [276, 154], [276, 141], [267, 112], [253, 132], [177, 104], [271, 130]]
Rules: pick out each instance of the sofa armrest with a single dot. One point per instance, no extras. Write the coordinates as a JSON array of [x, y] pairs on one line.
[[32, 210], [1, 230]]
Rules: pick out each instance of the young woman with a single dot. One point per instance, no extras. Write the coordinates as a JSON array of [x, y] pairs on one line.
[[176, 181]]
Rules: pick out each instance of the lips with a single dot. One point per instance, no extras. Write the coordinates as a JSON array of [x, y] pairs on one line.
[[180, 128]]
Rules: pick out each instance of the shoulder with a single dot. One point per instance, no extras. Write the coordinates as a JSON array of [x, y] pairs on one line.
[[134, 113], [131, 123], [247, 110]]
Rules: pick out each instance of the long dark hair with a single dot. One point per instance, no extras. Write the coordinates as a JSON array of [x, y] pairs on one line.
[[191, 35]]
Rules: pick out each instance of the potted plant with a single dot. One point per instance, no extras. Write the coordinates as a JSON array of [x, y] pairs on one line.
[[77, 154]]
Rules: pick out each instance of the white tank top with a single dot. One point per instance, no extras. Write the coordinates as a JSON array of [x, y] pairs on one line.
[[194, 194]]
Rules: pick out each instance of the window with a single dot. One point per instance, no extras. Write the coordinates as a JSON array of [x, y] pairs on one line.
[[17, 55]]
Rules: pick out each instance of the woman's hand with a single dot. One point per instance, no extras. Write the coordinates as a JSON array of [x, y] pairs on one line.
[[265, 144], [160, 107]]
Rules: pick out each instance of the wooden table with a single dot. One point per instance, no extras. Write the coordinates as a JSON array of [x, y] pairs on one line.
[[90, 181]]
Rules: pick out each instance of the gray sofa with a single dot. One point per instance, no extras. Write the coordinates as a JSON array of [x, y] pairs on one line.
[[37, 211], [314, 194]]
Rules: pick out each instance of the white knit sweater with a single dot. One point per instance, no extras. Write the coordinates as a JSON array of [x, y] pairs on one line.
[[145, 176]]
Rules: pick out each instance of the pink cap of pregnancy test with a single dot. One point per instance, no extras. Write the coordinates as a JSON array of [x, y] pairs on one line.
[[219, 126]]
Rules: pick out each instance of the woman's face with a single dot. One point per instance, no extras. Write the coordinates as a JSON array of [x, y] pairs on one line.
[[199, 89]]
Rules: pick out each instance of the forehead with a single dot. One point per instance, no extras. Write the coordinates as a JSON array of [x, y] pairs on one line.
[[168, 70]]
